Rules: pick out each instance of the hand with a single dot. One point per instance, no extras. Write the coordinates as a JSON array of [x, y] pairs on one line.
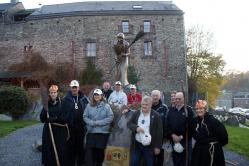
[[176, 138], [157, 151], [124, 111], [140, 129]]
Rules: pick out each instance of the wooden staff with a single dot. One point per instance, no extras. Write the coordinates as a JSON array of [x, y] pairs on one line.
[[186, 114], [45, 105], [231, 163]]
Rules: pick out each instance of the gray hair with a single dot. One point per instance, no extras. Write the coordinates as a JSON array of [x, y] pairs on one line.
[[147, 99], [156, 92]]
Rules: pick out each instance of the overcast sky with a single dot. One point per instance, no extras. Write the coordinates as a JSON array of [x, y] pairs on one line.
[[228, 20]]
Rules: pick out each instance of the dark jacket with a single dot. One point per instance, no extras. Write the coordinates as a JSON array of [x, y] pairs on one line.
[[177, 123], [76, 126], [162, 109], [107, 93], [205, 131], [75, 116], [156, 129], [60, 134]]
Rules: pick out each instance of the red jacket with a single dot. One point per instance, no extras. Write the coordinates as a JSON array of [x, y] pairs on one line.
[[134, 99]]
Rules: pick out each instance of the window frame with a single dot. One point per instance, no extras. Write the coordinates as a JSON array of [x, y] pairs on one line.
[[147, 52], [124, 27], [90, 50], [147, 26]]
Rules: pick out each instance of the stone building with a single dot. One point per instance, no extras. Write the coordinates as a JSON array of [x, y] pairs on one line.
[[73, 32]]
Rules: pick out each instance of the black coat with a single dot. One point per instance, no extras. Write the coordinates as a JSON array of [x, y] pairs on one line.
[[60, 136], [177, 123], [107, 93], [75, 116], [205, 131], [162, 109], [156, 129], [76, 126]]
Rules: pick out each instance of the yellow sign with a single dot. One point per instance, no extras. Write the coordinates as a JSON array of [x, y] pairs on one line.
[[116, 156]]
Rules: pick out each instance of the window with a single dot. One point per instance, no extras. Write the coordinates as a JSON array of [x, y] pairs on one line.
[[147, 48], [147, 26], [91, 49], [125, 26]]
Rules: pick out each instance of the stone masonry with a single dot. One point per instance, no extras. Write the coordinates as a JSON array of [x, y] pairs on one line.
[[63, 39]]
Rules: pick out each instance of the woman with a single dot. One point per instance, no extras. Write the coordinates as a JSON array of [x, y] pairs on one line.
[[98, 117], [210, 136], [55, 118]]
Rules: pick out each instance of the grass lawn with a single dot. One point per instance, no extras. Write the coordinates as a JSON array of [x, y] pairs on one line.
[[7, 127], [238, 140]]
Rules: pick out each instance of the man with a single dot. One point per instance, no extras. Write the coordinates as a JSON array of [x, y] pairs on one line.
[[134, 98], [178, 127], [118, 97], [147, 133], [121, 48], [162, 109], [74, 104], [173, 99], [106, 89]]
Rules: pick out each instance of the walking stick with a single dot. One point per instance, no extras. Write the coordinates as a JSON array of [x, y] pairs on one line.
[[45, 105], [186, 114], [231, 163]]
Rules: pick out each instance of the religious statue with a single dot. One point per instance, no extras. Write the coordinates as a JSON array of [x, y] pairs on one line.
[[122, 50]]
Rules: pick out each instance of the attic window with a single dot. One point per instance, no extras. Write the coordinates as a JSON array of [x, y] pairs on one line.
[[137, 7]]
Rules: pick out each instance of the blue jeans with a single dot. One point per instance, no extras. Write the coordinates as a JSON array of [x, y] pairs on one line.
[[142, 151]]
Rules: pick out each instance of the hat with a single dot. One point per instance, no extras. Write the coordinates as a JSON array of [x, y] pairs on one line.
[[53, 88], [133, 87], [146, 139], [121, 35], [178, 148], [98, 91], [118, 83], [74, 83]]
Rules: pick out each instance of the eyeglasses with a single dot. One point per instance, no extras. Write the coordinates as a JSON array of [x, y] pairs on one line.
[[143, 121], [74, 87], [96, 94]]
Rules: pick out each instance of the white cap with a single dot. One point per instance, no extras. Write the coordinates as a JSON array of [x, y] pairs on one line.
[[98, 91], [178, 148], [118, 83], [146, 139], [121, 35], [133, 87], [74, 83]]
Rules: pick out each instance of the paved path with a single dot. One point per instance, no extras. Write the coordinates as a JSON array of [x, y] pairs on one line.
[[16, 149]]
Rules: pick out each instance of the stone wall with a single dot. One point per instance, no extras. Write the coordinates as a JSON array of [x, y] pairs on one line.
[[64, 40]]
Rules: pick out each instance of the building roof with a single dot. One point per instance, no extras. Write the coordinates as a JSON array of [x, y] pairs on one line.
[[11, 74], [4, 6], [25, 12], [106, 8]]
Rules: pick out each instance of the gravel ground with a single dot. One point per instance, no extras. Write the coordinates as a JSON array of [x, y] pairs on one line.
[[16, 149]]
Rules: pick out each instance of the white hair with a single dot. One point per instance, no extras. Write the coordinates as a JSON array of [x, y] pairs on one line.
[[156, 92]]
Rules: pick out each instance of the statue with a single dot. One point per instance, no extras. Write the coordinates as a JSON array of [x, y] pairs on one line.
[[122, 50]]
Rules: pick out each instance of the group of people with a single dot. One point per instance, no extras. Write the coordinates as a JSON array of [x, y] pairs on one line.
[[77, 128]]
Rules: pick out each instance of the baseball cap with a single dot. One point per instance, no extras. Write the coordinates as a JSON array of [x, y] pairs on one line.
[[98, 91], [133, 87], [178, 148], [74, 83], [146, 139], [118, 83]]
